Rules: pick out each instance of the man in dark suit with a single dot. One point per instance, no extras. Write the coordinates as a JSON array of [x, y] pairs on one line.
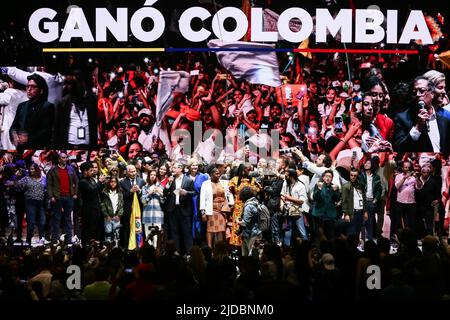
[[179, 208], [420, 128], [130, 185], [89, 194], [76, 116], [33, 123]]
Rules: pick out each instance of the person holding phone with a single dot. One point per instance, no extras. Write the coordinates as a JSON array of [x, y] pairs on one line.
[[330, 108], [372, 139]]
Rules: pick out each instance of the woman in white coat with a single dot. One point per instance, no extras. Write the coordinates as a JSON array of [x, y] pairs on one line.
[[215, 200]]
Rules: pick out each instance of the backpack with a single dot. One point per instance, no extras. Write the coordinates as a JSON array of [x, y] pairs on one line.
[[264, 217]]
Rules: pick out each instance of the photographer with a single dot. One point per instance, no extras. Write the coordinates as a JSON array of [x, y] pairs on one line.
[[249, 223], [294, 203], [273, 193]]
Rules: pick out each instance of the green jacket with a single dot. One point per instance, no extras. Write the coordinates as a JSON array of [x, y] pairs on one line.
[[325, 201], [376, 186], [107, 207], [347, 198], [53, 182]]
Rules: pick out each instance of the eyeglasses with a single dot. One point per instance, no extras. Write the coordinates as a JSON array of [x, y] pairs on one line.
[[31, 86], [420, 91]]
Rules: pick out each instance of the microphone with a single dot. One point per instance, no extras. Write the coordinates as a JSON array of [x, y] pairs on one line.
[[422, 106]]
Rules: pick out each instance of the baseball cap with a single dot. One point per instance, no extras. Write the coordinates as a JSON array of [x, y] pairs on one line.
[[144, 112]]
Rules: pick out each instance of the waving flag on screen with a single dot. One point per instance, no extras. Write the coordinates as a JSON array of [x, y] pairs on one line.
[[172, 85], [136, 239], [257, 67]]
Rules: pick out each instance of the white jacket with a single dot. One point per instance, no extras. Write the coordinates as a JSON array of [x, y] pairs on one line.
[[206, 196], [55, 83], [9, 100]]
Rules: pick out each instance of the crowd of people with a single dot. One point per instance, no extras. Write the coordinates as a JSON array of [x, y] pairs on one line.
[[203, 239], [88, 196], [360, 176], [375, 106]]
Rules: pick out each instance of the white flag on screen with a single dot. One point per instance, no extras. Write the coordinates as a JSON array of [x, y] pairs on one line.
[[170, 83], [257, 67]]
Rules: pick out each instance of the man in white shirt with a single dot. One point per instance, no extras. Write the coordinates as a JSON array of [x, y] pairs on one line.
[[179, 208], [322, 163]]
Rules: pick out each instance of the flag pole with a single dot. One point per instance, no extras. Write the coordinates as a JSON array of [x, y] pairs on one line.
[[348, 64]]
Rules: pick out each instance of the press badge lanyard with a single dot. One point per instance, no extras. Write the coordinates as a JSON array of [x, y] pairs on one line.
[[81, 131], [360, 197]]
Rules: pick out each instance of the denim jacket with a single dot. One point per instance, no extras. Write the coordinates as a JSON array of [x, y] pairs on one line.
[[251, 218]]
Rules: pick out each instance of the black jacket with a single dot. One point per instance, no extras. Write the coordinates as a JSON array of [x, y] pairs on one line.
[[429, 192], [186, 203], [125, 185], [273, 192], [36, 119], [89, 194], [62, 121], [403, 142]]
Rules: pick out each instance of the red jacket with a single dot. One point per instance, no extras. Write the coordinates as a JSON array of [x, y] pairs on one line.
[[385, 125]]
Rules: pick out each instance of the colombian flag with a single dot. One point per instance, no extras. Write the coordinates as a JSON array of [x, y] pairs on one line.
[[135, 225]]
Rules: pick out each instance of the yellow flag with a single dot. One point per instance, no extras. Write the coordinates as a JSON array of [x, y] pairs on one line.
[[135, 224], [444, 57], [305, 45]]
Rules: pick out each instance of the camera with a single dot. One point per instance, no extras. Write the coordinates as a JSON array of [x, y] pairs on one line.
[[240, 230], [123, 124], [287, 150]]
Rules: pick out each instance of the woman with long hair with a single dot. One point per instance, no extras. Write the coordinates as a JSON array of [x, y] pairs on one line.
[[152, 213], [163, 173], [112, 208], [34, 187], [236, 184], [199, 178]]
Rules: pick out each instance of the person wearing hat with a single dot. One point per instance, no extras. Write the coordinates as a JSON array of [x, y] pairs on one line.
[[33, 123], [145, 125]]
